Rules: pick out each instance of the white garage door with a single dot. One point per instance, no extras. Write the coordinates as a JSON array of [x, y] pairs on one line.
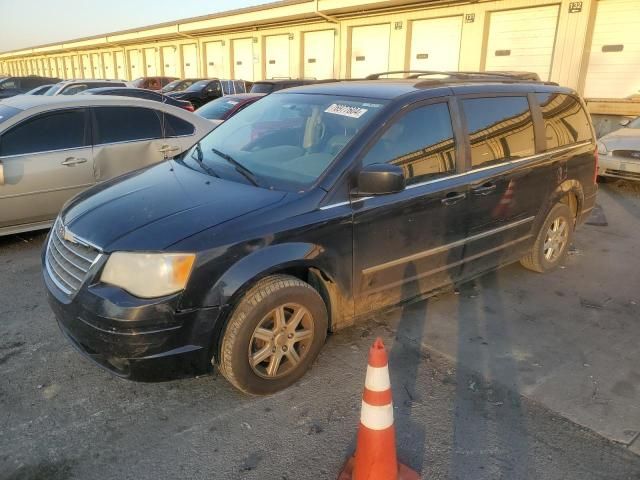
[[215, 59], [522, 40], [151, 62], [87, 71], [75, 71], [369, 50], [276, 48], [319, 52], [614, 60], [435, 43], [121, 70], [170, 61], [97, 65], [190, 61], [135, 65], [243, 59], [109, 67]]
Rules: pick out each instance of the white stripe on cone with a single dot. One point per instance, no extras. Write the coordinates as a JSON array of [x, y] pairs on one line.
[[377, 379], [376, 418]]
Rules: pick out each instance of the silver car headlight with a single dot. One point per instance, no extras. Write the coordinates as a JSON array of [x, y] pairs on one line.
[[602, 149], [148, 275]]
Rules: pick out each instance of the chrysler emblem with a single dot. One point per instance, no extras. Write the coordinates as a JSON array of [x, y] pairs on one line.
[[64, 233]]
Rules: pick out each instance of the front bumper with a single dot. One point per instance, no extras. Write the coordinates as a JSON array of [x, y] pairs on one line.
[[619, 167], [137, 339]]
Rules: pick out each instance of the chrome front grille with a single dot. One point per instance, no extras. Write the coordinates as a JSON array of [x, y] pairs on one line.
[[68, 260]]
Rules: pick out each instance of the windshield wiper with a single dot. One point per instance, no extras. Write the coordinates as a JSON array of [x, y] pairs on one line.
[[199, 159], [244, 171]]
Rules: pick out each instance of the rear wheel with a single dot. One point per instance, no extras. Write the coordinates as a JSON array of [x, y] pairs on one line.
[[552, 242], [274, 335]]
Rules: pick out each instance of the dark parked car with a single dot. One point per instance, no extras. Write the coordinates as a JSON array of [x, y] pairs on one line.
[[247, 249], [179, 85], [140, 93], [270, 86], [11, 86], [152, 83], [226, 107], [204, 91]]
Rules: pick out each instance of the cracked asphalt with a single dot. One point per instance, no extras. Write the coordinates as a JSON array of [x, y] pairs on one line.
[[515, 376]]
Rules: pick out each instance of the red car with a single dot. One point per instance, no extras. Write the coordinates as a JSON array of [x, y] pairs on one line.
[[226, 107], [152, 83]]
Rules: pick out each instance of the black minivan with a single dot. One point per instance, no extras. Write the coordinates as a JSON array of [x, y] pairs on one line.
[[311, 209]]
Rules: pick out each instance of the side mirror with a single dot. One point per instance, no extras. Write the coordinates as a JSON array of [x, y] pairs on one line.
[[624, 122], [379, 179]]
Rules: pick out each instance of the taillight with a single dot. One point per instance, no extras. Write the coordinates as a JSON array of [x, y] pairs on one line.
[[595, 171], [190, 108]]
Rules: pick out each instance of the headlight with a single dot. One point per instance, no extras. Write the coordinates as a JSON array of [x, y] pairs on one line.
[[148, 275], [602, 150]]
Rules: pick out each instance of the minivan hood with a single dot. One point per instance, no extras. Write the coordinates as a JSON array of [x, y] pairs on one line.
[[156, 207], [622, 139]]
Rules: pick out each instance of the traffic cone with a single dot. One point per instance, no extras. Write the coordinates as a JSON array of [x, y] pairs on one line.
[[375, 457]]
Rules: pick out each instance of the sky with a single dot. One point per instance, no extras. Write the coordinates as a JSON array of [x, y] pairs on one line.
[[27, 23]]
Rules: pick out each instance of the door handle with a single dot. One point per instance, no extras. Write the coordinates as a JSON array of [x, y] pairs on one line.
[[453, 198], [73, 161], [168, 149], [485, 189]]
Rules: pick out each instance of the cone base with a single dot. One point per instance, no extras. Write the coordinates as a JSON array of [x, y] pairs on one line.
[[404, 472]]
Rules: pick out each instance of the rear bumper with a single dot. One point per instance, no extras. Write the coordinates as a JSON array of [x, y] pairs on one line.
[[132, 338], [619, 167]]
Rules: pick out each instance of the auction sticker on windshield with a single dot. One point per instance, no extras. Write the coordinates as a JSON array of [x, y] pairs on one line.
[[346, 110]]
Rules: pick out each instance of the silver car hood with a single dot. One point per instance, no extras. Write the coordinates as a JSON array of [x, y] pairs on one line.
[[623, 139]]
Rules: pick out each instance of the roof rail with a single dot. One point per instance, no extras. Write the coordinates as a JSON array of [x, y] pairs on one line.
[[461, 75]]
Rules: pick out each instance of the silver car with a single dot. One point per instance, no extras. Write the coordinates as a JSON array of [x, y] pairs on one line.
[[52, 148], [619, 152]]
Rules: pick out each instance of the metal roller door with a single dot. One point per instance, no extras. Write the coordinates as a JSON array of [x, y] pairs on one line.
[[215, 59], [369, 50], [151, 62], [435, 44], [190, 61], [107, 64], [170, 61], [135, 64], [243, 59], [319, 54], [276, 49], [121, 67], [522, 40], [614, 59], [96, 61]]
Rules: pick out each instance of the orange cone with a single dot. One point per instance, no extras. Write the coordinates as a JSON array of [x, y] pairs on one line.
[[506, 202], [375, 457]]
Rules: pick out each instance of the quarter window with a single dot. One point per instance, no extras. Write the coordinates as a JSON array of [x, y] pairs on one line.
[[176, 127], [500, 129], [565, 121], [126, 124], [48, 132], [421, 142]]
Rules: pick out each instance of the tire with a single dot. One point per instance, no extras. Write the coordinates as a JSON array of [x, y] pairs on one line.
[[539, 258], [273, 304]]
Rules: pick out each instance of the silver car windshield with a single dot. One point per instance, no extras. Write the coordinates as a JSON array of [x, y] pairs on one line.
[[7, 112], [286, 141]]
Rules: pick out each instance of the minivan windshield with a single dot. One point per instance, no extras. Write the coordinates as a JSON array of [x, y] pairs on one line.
[[284, 141]]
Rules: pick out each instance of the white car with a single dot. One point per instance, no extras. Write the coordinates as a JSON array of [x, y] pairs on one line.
[[73, 87], [619, 152], [52, 148]]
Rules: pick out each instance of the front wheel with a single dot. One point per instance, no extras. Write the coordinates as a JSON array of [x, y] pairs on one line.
[[552, 242], [275, 333]]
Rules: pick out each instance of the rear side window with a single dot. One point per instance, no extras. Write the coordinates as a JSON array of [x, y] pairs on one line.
[[421, 142], [176, 127], [565, 121], [47, 132], [126, 124], [500, 129]]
